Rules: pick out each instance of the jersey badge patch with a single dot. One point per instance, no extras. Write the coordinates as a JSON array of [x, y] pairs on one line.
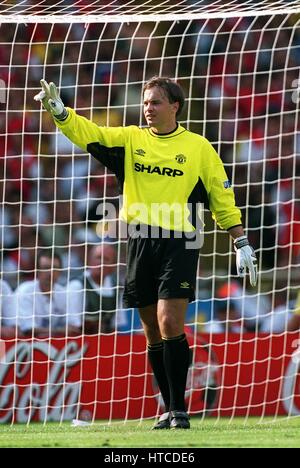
[[180, 158]]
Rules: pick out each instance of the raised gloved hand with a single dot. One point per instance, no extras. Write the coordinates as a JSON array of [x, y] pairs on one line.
[[49, 97], [245, 258]]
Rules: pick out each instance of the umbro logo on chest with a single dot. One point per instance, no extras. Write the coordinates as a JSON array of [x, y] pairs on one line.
[[140, 152]]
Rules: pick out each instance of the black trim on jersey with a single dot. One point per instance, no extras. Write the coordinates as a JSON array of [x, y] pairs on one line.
[[236, 225], [168, 133], [161, 135], [112, 158], [198, 195]]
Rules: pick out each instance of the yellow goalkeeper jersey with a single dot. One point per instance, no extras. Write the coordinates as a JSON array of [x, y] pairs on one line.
[[162, 177]]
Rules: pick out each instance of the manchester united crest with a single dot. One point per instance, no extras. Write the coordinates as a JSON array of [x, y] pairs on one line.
[[180, 158]]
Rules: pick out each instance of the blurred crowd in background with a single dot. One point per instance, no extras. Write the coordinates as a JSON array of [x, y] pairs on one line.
[[240, 77]]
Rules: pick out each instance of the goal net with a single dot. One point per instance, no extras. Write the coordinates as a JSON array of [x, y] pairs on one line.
[[68, 348]]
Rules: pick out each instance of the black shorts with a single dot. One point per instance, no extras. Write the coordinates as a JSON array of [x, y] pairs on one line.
[[159, 269]]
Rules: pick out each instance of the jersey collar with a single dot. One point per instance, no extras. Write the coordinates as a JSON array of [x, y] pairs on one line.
[[179, 129]]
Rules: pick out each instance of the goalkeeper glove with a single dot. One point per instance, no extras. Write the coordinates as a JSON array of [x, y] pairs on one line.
[[245, 258], [49, 97]]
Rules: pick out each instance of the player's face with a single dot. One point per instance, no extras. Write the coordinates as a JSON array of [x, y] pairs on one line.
[[159, 113]]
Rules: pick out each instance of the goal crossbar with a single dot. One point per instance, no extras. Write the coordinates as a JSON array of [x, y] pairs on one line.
[[140, 11], [62, 19]]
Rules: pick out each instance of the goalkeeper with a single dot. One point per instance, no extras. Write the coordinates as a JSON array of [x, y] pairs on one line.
[[167, 165]]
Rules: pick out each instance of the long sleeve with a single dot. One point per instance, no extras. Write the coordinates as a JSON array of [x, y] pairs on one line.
[[219, 191], [83, 132]]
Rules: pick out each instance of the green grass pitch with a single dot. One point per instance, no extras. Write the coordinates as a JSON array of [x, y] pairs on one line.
[[208, 433]]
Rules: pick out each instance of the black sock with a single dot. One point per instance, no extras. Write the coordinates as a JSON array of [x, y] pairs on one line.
[[156, 358], [177, 360]]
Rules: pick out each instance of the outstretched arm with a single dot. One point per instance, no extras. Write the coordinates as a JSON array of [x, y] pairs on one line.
[[81, 131]]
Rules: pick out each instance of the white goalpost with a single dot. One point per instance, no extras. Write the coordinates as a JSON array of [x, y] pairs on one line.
[[73, 352]]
